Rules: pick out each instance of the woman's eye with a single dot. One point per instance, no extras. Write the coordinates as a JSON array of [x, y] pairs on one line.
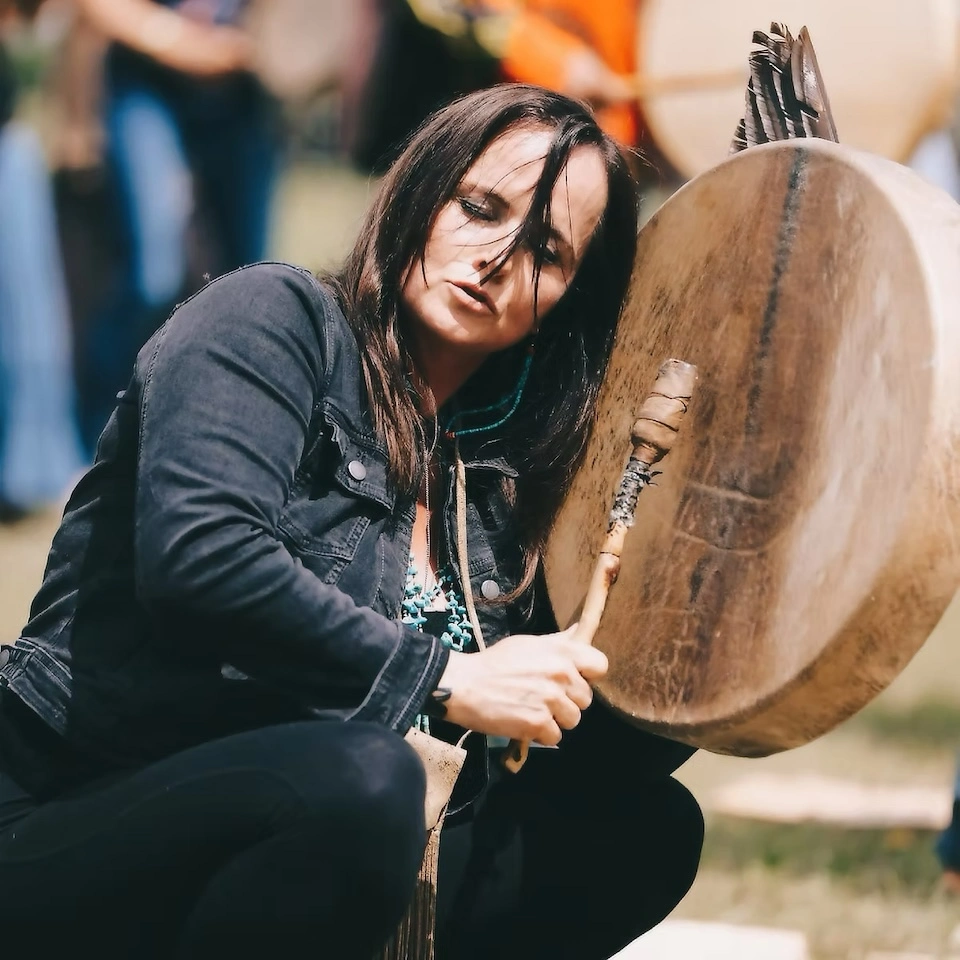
[[475, 210], [551, 255]]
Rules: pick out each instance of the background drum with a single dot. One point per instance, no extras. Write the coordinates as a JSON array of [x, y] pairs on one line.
[[891, 70], [302, 46], [804, 537]]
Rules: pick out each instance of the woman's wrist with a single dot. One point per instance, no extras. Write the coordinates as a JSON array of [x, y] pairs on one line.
[[444, 697], [436, 704]]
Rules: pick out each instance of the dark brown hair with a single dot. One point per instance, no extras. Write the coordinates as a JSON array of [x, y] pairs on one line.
[[26, 8], [546, 436]]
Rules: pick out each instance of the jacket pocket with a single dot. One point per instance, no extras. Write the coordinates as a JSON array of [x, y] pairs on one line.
[[335, 499]]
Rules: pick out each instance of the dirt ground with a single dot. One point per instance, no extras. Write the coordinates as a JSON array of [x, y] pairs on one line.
[[851, 891]]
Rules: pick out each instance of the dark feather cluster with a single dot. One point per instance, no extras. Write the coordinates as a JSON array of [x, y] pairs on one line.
[[786, 97]]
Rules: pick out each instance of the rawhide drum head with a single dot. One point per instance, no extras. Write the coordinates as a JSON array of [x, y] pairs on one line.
[[804, 536]]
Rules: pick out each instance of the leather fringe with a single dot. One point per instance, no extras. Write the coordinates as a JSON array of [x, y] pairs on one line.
[[415, 936]]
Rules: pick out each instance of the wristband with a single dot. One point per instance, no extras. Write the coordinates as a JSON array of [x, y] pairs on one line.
[[436, 705]]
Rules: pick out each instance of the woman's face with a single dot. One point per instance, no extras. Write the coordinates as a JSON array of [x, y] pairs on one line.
[[451, 310]]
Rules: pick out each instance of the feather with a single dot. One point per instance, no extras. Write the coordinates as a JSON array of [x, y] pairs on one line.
[[786, 97]]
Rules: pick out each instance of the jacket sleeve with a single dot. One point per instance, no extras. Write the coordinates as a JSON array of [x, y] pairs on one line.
[[531, 47], [228, 393]]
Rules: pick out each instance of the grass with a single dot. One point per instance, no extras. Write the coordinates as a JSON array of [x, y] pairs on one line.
[[925, 725], [897, 862]]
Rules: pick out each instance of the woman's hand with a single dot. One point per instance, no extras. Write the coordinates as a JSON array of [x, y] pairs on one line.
[[211, 51], [202, 50], [524, 687], [589, 78], [191, 46]]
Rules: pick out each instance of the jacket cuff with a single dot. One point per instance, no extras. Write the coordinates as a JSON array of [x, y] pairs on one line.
[[408, 677]]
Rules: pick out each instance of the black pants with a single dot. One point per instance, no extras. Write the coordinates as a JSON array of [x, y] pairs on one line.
[[305, 840]]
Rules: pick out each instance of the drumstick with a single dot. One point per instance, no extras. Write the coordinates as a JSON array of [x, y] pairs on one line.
[[645, 86], [652, 437]]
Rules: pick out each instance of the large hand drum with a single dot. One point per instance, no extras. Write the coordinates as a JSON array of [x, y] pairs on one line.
[[891, 69], [804, 537]]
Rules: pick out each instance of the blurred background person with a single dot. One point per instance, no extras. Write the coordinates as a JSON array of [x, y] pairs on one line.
[[40, 452], [936, 160], [583, 48], [186, 124], [86, 209], [406, 60], [412, 55], [948, 844]]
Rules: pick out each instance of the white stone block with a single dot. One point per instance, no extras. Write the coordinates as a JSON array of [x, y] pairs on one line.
[[812, 798], [693, 940], [899, 956]]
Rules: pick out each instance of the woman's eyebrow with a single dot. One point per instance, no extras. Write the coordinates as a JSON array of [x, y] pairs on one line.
[[561, 239]]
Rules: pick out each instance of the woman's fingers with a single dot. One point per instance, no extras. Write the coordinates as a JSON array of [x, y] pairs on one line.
[[549, 733], [590, 662], [566, 713], [580, 692], [525, 687]]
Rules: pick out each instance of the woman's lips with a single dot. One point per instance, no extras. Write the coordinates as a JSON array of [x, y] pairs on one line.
[[473, 296]]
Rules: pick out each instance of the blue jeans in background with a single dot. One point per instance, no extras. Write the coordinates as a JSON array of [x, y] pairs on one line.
[[165, 152], [40, 451], [948, 843], [936, 160]]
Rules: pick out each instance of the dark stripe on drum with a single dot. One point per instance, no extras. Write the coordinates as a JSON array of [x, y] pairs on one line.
[[785, 238]]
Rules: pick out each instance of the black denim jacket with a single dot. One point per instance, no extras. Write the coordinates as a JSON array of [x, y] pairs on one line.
[[237, 554], [236, 557]]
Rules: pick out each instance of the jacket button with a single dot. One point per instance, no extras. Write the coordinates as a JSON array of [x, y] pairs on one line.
[[356, 469], [490, 589]]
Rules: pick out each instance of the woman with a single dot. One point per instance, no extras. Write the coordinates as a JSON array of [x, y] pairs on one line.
[[40, 450], [411, 55], [183, 115], [272, 492]]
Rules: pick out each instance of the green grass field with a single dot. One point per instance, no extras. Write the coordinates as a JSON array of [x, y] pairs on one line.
[[851, 891]]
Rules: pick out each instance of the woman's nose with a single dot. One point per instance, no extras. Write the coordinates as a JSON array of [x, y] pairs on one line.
[[489, 258]]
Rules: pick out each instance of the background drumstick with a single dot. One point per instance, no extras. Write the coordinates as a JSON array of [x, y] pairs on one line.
[[647, 86], [652, 437]]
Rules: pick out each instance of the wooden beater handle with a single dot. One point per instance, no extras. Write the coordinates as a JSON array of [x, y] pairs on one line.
[[652, 437]]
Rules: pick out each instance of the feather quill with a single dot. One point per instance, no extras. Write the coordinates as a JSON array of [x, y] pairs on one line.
[[786, 97]]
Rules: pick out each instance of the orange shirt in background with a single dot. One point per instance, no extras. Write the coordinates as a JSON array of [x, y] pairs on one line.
[[543, 34]]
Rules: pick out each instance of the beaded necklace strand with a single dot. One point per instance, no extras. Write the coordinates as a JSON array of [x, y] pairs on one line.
[[416, 601]]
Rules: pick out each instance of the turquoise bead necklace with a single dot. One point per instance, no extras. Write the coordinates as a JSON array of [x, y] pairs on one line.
[[419, 599], [416, 600]]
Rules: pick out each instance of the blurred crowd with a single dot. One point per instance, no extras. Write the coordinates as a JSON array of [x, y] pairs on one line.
[[171, 123]]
